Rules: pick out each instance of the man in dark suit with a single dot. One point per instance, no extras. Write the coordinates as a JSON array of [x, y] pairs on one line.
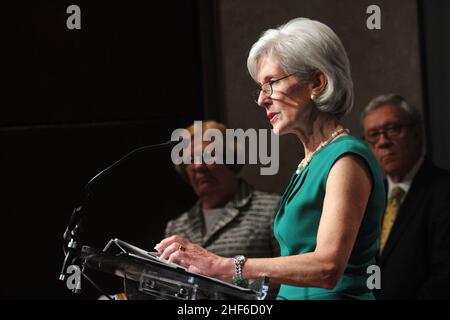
[[414, 255]]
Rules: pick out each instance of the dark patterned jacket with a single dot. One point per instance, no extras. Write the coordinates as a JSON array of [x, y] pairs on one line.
[[245, 228]]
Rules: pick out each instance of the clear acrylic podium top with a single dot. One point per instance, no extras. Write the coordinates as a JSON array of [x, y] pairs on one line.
[[148, 278]]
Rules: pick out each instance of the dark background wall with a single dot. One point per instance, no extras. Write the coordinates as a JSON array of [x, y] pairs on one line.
[[72, 102], [436, 50]]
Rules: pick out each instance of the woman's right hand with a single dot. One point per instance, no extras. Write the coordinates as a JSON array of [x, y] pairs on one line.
[[196, 259]]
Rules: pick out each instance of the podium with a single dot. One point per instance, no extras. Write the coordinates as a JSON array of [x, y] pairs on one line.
[[149, 279]]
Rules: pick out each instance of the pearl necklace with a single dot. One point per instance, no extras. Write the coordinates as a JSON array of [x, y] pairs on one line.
[[302, 165]]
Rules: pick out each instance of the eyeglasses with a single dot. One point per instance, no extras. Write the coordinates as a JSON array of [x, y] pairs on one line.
[[267, 88], [390, 132], [206, 157]]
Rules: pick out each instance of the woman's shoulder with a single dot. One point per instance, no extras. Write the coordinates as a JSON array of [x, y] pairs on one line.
[[349, 144], [346, 145]]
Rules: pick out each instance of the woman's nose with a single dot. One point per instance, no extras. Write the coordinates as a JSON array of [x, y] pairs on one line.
[[263, 100]]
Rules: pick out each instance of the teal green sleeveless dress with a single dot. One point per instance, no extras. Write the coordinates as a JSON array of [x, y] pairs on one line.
[[297, 221]]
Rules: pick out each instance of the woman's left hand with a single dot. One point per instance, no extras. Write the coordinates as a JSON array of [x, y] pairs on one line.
[[196, 259]]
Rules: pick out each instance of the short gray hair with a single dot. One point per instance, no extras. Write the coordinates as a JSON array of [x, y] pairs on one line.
[[391, 98], [305, 46]]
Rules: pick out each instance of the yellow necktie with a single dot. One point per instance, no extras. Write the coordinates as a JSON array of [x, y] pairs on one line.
[[390, 214]]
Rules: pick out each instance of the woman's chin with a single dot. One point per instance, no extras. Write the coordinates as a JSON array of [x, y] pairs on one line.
[[278, 130]]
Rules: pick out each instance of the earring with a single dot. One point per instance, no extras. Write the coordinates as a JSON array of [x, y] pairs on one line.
[[313, 97]]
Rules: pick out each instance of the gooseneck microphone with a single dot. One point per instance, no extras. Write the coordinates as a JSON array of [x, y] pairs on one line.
[[72, 231], [79, 211]]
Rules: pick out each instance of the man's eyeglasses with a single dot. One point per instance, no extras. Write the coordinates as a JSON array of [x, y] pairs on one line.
[[390, 132], [267, 88]]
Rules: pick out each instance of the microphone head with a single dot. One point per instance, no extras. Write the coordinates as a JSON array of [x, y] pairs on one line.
[[75, 218], [67, 236]]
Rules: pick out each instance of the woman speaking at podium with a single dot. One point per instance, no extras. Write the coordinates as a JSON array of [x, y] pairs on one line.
[[329, 217]]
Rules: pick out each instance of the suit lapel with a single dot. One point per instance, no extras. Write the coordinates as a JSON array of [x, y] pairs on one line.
[[232, 209], [408, 210], [225, 219], [195, 233]]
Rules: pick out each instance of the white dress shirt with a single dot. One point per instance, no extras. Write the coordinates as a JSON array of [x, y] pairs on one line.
[[405, 184]]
